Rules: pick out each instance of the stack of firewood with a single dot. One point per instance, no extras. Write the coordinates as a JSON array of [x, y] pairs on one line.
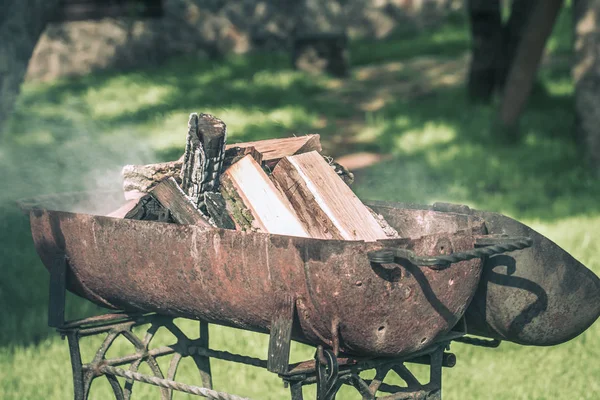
[[279, 186]]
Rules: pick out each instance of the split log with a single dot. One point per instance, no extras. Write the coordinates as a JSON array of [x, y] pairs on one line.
[[140, 179], [273, 150], [149, 209], [255, 203], [171, 197], [322, 201]]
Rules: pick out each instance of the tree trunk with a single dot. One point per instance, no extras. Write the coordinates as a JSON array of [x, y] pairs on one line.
[[512, 33], [21, 24], [586, 74], [486, 33], [494, 44], [527, 59]]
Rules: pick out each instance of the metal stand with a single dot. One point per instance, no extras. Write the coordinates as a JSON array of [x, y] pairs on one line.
[[115, 325], [328, 371]]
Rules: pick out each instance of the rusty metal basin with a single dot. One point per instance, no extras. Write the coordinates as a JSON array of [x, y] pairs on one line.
[[240, 279], [537, 296]]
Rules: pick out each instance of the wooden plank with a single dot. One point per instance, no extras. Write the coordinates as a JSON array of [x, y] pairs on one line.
[[323, 201], [169, 195], [275, 149], [269, 210]]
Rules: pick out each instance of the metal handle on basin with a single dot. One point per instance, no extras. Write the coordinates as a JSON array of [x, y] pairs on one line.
[[490, 246]]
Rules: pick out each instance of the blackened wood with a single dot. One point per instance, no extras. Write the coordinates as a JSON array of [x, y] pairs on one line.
[[149, 209], [171, 197], [203, 157], [216, 208]]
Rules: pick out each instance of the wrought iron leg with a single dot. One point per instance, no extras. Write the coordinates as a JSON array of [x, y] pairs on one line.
[[296, 390], [328, 382], [79, 390], [435, 374], [203, 362]]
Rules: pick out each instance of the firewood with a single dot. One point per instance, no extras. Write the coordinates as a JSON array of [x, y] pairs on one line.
[[149, 209], [273, 150], [322, 201], [216, 209], [203, 156], [234, 154], [182, 210], [255, 203], [140, 179]]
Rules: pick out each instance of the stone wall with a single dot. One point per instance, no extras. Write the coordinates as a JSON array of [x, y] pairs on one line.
[[209, 28]]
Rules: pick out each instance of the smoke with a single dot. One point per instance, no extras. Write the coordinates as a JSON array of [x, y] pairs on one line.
[[42, 155]]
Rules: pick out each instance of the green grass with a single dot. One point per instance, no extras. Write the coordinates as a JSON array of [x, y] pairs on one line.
[[76, 134]]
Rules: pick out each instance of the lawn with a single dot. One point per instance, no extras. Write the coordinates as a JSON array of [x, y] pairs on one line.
[[404, 105]]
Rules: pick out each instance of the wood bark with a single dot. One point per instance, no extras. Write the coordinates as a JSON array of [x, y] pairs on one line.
[[203, 156], [527, 59], [323, 201], [256, 203], [21, 24], [586, 74]]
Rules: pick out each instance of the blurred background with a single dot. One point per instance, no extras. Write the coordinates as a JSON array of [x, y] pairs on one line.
[[494, 104]]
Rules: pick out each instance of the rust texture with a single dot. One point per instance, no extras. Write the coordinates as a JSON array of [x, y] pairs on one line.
[[238, 279], [537, 296]]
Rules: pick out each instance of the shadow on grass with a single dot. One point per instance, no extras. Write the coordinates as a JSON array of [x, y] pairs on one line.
[[440, 147]]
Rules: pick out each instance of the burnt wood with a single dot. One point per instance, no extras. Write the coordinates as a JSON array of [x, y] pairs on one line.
[[171, 197]]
